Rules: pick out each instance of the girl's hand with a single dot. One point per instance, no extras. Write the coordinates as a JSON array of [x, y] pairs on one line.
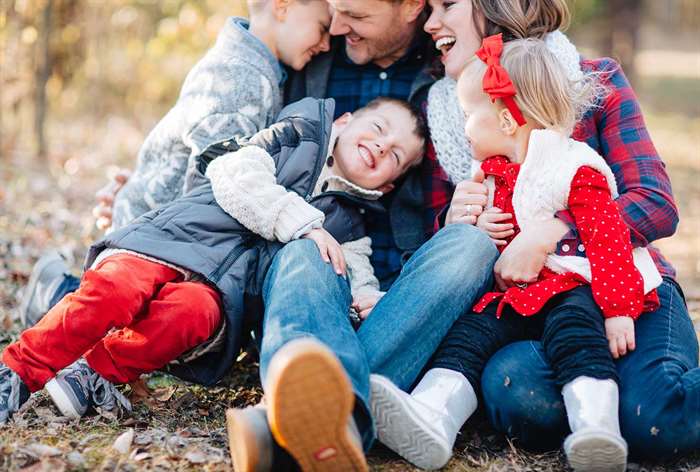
[[620, 333], [468, 201], [522, 260], [330, 249], [490, 222], [364, 303]]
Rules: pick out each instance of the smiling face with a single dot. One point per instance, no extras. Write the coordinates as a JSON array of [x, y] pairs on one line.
[[303, 32], [376, 146], [452, 28], [378, 31]]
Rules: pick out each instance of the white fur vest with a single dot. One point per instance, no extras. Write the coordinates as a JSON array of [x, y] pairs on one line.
[[543, 187]]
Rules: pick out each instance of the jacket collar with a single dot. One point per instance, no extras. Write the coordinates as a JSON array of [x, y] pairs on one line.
[[235, 32]]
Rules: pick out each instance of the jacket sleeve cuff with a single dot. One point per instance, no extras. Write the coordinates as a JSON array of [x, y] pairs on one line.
[[296, 219]]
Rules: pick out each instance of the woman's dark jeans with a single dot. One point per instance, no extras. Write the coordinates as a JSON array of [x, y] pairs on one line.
[[659, 387], [570, 325]]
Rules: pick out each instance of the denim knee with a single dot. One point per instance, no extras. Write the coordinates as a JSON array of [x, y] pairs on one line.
[[463, 251], [521, 397], [300, 253], [666, 424]]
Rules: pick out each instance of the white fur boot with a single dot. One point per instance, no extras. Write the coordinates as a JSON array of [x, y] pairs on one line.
[[595, 443], [422, 427]]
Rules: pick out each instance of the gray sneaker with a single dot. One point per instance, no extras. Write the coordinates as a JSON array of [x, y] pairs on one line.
[[46, 277], [77, 387], [13, 393]]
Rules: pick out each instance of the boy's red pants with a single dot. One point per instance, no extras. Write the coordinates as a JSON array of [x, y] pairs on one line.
[[158, 317]]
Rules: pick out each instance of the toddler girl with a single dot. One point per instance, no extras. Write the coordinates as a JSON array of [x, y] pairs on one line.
[[521, 109]]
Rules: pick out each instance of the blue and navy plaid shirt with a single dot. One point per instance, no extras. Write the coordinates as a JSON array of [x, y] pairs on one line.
[[353, 86]]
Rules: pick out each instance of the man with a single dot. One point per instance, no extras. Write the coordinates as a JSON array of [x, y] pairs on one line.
[[314, 367]]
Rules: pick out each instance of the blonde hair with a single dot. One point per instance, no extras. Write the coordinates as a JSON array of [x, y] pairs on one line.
[[520, 19], [544, 92]]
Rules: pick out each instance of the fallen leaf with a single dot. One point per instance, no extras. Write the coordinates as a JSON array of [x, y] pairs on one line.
[[123, 443], [196, 457], [42, 450], [164, 394], [76, 459]]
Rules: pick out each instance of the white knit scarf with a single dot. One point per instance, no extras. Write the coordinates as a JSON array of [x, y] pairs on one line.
[[446, 119]]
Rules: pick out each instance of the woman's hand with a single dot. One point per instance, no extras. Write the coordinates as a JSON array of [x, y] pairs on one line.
[[330, 249], [490, 222], [468, 201], [522, 260], [105, 199], [620, 333]]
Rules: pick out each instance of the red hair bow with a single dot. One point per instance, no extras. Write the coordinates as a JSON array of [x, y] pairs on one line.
[[497, 83]]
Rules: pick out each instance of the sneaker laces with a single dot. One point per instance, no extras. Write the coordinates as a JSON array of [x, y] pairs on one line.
[[104, 393], [11, 389]]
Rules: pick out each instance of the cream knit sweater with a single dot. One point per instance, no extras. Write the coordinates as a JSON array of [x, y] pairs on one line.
[[245, 187]]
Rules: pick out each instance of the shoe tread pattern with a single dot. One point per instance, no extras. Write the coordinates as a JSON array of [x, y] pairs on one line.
[[398, 432], [310, 403], [596, 454]]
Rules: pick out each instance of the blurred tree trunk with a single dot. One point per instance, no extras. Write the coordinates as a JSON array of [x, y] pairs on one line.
[[42, 74], [622, 37]]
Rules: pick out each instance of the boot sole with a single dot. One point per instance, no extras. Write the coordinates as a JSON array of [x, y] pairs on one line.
[[310, 403], [243, 445], [596, 452], [61, 399], [402, 431]]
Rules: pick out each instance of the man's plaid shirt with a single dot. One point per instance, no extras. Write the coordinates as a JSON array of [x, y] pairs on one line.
[[616, 130]]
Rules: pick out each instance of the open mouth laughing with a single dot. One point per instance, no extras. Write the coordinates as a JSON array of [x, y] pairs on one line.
[[366, 156], [444, 45]]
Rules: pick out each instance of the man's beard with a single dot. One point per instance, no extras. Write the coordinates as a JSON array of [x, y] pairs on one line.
[[377, 49]]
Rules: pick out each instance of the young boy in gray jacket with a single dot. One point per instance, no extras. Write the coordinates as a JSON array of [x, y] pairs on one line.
[[234, 90], [199, 263]]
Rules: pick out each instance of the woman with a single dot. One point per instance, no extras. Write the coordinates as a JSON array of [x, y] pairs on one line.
[[659, 380]]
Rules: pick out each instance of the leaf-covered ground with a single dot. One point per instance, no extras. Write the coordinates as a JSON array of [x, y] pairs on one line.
[[176, 426]]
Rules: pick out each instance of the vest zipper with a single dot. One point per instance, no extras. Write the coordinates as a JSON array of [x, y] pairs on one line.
[[323, 148], [229, 260]]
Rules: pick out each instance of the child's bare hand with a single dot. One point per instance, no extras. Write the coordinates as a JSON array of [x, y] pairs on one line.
[[490, 222], [105, 199], [330, 249], [620, 333], [364, 303]]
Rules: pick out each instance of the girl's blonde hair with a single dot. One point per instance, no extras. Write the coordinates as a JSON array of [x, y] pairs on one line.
[[544, 92]]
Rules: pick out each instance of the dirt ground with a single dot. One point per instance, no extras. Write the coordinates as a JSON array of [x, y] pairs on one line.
[[181, 427]]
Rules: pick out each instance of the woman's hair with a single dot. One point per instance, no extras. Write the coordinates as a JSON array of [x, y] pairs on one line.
[[520, 19], [544, 92]]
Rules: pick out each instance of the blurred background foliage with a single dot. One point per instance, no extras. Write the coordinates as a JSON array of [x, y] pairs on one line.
[[66, 58], [83, 81]]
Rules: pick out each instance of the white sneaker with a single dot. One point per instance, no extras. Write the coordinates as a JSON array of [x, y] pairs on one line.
[[413, 428], [595, 444]]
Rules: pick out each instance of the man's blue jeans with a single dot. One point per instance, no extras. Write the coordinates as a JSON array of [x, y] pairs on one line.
[[659, 387], [305, 298]]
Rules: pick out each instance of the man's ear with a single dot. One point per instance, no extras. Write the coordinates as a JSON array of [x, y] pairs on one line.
[[508, 124], [386, 188], [411, 9], [280, 8]]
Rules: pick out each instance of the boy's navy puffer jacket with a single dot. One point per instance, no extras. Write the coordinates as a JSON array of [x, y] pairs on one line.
[[194, 233]]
